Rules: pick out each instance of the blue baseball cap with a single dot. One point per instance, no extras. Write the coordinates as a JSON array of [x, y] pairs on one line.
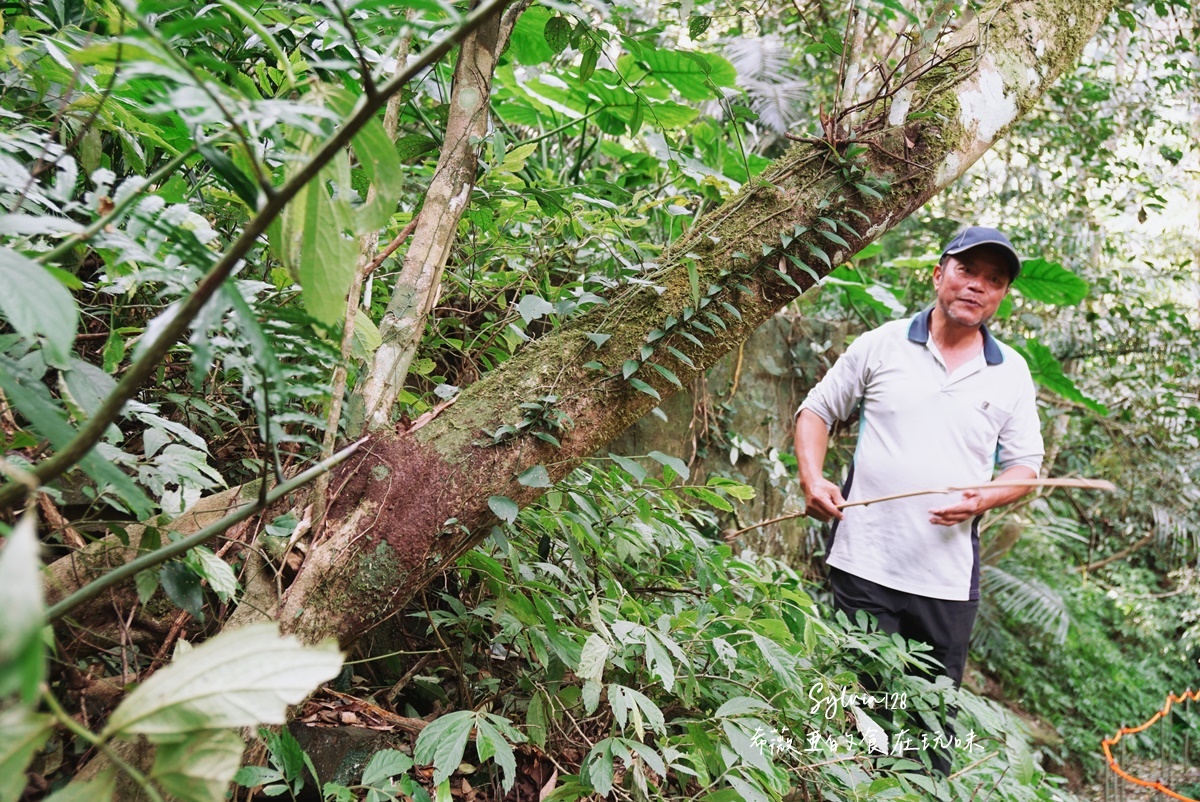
[[978, 236]]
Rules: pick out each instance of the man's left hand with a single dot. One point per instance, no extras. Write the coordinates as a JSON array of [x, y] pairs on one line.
[[973, 502]]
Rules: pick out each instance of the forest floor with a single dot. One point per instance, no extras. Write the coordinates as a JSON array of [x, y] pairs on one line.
[[1184, 780]]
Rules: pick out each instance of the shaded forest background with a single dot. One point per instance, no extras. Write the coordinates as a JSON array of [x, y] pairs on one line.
[[604, 634]]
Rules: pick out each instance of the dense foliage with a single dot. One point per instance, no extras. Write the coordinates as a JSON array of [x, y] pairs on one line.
[[606, 639]]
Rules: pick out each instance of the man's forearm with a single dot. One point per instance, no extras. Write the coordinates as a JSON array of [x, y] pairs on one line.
[[812, 441], [999, 496]]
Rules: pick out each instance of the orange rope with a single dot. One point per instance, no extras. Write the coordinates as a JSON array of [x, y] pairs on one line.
[[1109, 742]]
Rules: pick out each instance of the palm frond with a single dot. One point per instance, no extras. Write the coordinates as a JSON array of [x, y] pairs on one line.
[[1025, 599]]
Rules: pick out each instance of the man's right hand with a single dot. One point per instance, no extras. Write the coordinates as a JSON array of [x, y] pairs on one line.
[[822, 499]]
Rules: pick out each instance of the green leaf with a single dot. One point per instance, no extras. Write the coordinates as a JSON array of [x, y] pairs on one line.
[[242, 185], [240, 678], [537, 476], [698, 24], [504, 508], [21, 734], [100, 789], [632, 468], [593, 658], [533, 307], [820, 254], [200, 767], [33, 400], [668, 375], [682, 357], [635, 120], [1050, 283], [642, 387], [182, 586], [491, 744], [317, 248], [709, 497], [587, 64], [598, 339], [741, 706], [529, 43], [443, 743], [598, 767], [410, 146], [629, 368], [658, 662], [834, 238], [557, 34], [366, 339], [253, 776], [22, 650], [674, 463], [219, 574], [692, 74], [1047, 371], [147, 584], [34, 303], [384, 765]]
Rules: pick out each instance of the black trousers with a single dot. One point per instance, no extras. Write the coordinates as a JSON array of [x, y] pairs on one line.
[[942, 624]]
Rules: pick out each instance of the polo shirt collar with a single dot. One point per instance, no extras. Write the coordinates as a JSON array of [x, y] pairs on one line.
[[918, 332]]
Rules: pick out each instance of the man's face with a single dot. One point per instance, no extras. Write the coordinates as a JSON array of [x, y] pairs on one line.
[[970, 286]]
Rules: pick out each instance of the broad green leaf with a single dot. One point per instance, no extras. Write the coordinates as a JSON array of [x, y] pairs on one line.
[[598, 767], [698, 24], [658, 662], [629, 368], [314, 241], [34, 303], [490, 743], [200, 767], [557, 34], [528, 42], [147, 584], [443, 743], [34, 401], [219, 574], [752, 753], [239, 678], [537, 476], [629, 466], [504, 507], [674, 463], [378, 157], [366, 339], [100, 789], [532, 307], [688, 72], [593, 658], [182, 586], [1047, 371], [1050, 283], [741, 706], [87, 386], [252, 776], [709, 497], [384, 765], [22, 651], [587, 64], [21, 734]]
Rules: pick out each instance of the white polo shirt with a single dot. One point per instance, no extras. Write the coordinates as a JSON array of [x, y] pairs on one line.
[[921, 427]]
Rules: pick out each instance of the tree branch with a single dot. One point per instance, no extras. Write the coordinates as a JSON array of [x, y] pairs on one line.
[[143, 367]]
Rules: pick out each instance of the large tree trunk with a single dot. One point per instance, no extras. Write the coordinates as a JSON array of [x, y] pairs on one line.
[[409, 503]]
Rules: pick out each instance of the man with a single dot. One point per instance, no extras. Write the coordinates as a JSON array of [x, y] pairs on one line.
[[941, 403]]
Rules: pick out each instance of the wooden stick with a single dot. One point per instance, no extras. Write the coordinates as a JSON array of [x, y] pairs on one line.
[[1086, 484]]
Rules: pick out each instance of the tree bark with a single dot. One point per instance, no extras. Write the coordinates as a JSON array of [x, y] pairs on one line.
[[408, 504], [446, 200]]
